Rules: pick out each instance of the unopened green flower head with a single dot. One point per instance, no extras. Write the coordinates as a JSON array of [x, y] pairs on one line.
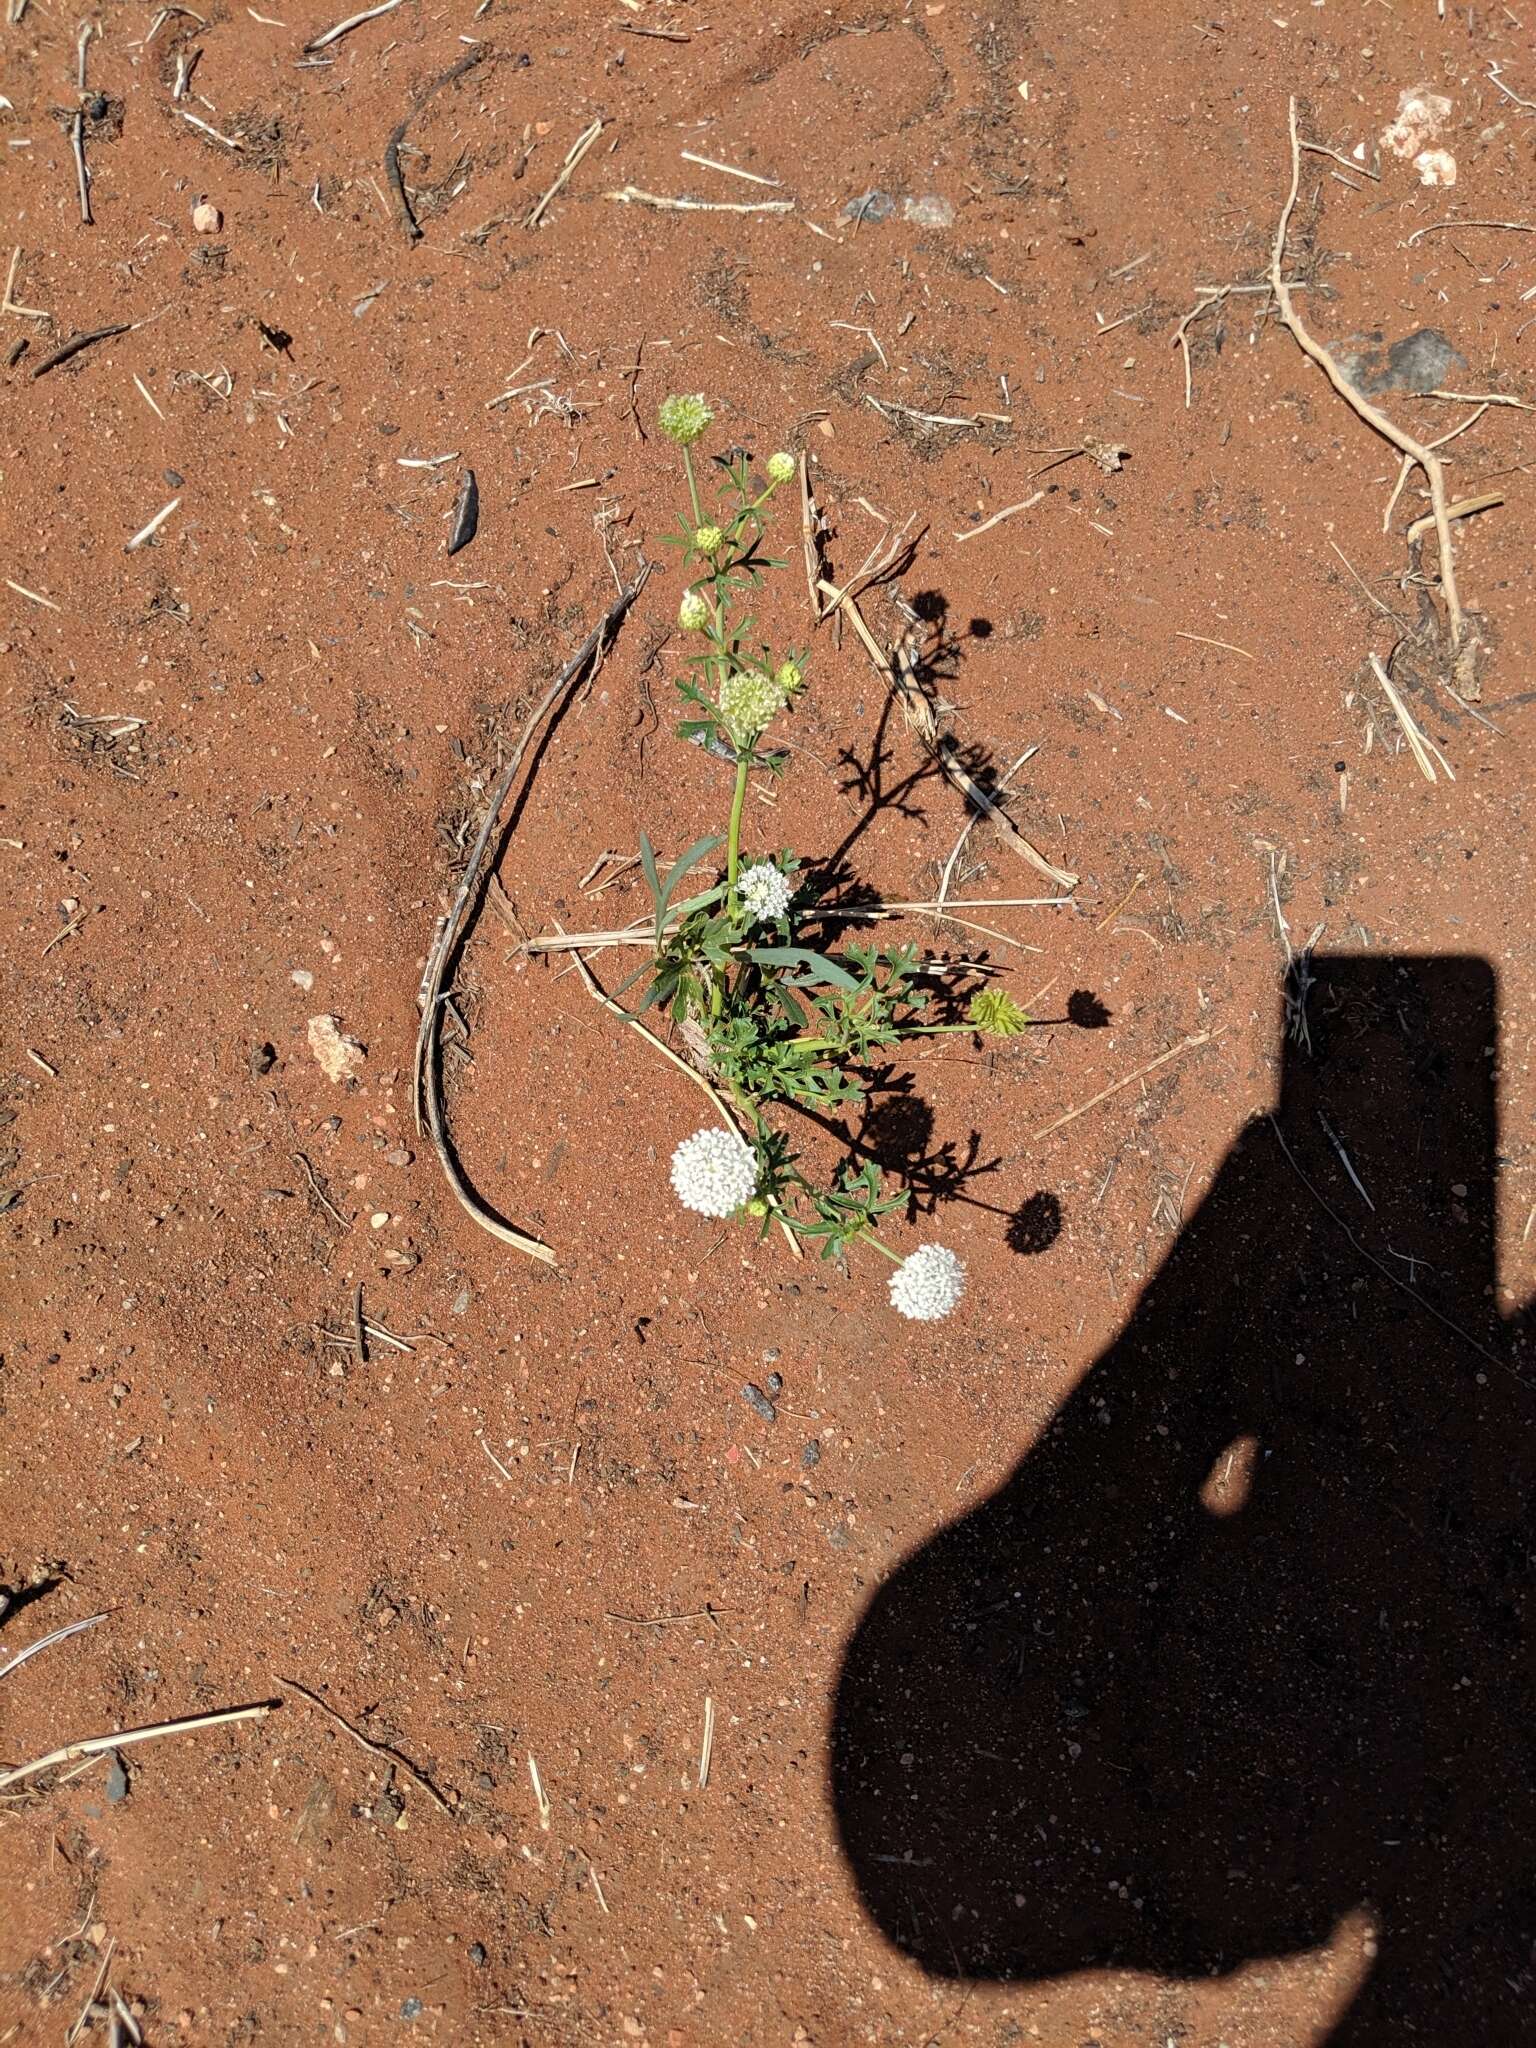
[[996, 1015], [709, 540], [789, 678], [683, 417], [781, 467], [748, 702], [693, 612]]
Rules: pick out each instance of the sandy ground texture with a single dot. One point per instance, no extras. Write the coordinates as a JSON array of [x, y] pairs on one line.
[[1003, 1745]]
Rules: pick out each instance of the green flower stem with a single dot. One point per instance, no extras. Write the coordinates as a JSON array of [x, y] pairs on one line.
[[871, 1237], [693, 488], [898, 1031], [733, 842]]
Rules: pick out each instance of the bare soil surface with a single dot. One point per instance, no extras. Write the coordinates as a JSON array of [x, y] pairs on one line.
[[533, 1549]]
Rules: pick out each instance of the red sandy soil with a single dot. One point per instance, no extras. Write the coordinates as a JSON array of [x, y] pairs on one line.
[[456, 1546]]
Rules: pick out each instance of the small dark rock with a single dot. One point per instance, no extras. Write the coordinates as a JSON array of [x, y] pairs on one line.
[[810, 1457], [1419, 362], [117, 1780], [174, 478], [263, 1059], [759, 1402], [774, 1384], [874, 205], [410, 2009], [477, 1954]]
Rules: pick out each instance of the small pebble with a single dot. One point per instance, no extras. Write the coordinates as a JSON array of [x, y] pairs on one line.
[[477, 1954], [206, 218], [811, 1456], [757, 1400], [378, 1219], [774, 1384]]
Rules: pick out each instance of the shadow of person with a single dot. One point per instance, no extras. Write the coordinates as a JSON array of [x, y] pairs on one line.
[[1242, 1644]]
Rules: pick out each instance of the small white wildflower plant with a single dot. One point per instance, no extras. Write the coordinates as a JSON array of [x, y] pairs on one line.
[[784, 1025]]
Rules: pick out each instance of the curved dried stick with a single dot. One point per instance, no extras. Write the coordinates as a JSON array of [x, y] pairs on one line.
[[1404, 443], [430, 1116]]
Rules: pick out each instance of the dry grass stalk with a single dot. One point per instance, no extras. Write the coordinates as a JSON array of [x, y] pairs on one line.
[[573, 157], [631, 195], [998, 517], [59, 1635], [1423, 748], [99, 1745], [1174, 1052]]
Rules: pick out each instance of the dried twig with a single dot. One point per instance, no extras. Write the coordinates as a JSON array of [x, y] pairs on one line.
[[319, 1193], [82, 175], [1423, 748], [99, 1745], [1207, 641], [397, 136], [998, 517], [428, 1099], [345, 28], [9, 305], [146, 533], [1373, 416], [36, 596], [225, 141], [573, 157], [76, 342], [707, 1744], [381, 1749], [708, 163], [631, 195], [1520, 227], [59, 1635]]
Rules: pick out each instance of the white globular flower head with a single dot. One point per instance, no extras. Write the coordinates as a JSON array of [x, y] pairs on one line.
[[781, 467], [684, 416], [927, 1283], [714, 1172], [764, 892], [693, 612]]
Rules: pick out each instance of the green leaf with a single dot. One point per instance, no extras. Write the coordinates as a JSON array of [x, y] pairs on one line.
[[817, 966], [696, 852], [648, 865]]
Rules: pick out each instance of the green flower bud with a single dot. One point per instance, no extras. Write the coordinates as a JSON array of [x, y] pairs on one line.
[[996, 1015], [709, 540], [781, 468], [789, 678], [693, 612]]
